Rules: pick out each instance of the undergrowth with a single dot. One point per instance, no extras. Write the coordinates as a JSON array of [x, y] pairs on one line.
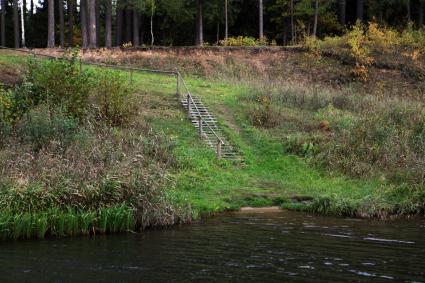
[[361, 136], [76, 158]]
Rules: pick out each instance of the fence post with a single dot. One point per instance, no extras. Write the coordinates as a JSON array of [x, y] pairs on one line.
[[131, 76], [178, 85], [188, 105], [201, 130], [219, 144]]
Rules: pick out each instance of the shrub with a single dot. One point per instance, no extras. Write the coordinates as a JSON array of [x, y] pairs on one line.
[[59, 82], [43, 125], [359, 51], [244, 41], [111, 97], [304, 146], [5, 114], [22, 99], [263, 114], [363, 45], [389, 142]]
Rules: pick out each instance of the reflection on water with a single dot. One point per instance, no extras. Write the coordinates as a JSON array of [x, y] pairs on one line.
[[269, 247]]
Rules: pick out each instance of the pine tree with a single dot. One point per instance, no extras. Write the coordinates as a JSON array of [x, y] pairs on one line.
[[83, 23], [199, 23], [108, 24], [71, 23], [61, 23], [3, 22], [92, 24]]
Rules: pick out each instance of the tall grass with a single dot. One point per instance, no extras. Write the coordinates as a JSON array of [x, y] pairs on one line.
[[363, 136], [68, 222], [76, 158]]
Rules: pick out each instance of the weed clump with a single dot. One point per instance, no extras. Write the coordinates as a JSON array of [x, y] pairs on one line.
[[359, 136], [389, 140], [42, 125]]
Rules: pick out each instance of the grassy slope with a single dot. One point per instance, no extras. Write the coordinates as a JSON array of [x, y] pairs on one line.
[[269, 176]]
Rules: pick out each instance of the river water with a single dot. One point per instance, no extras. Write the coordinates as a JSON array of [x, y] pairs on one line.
[[239, 247]]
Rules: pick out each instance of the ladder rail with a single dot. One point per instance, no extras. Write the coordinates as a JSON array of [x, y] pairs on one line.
[[189, 96]]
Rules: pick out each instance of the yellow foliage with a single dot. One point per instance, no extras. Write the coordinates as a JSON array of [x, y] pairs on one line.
[[127, 45], [358, 42], [244, 41], [362, 41], [312, 44]]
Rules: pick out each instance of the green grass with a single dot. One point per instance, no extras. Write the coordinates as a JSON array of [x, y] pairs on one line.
[[69, 222], [268, 176]]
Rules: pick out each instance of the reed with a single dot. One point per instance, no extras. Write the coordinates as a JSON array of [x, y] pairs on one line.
[[68, 222]]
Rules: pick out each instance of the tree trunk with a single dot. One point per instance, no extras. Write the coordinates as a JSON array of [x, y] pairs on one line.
[[71, 23], [142, 29], [62, 24], [199, 24], [16, 23], [83, 21], [152, 36], [23, 24], [342, 11], [316, 17], [108, 24], [31, 8], [360, 10], [292, 22], [92, 23], [260, 17], [218, 32], [3, 22], [409, 13], [136, 29], [226, 19], [128, 25], [24, 21], [120, 20], [51, 24], [421, 13], [97, 11]]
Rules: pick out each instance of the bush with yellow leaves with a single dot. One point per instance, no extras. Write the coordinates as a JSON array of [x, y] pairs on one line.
[[359, 51]]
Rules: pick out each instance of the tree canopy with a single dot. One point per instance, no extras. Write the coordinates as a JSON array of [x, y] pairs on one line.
[[90, 23]]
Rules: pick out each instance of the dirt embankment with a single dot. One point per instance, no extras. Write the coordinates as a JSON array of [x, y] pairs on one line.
[[268, 66]]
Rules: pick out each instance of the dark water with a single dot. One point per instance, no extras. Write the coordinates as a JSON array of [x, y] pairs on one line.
[[271, 247]]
